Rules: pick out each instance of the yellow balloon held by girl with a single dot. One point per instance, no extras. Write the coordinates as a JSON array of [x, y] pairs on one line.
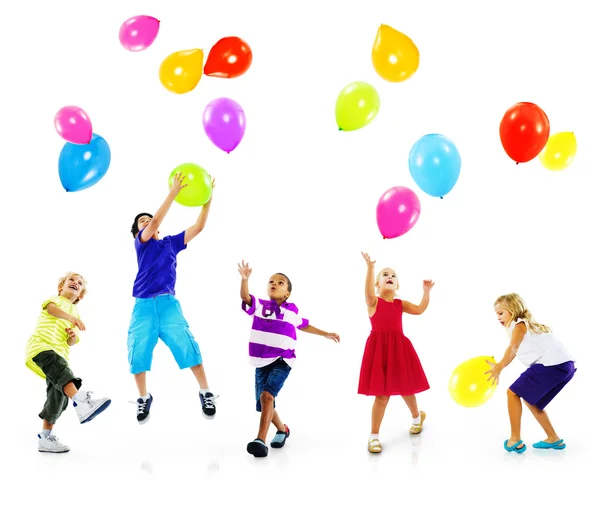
[[559, 151], [469, 386]]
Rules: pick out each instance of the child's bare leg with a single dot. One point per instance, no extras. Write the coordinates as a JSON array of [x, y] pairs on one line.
[[200, 375], [542, 418], [377, 413], [140, 382], [515, 412], [47, 426], [266, 414], [277, 421], [411, 403], [70, 390]]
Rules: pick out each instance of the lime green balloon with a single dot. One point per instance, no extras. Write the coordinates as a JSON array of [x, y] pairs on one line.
[[357, 105], [199, 185]]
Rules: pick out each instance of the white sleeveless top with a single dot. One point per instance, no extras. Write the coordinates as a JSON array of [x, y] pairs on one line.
[[543, 349]]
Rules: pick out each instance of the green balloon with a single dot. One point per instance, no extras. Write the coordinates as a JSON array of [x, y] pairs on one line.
[[357, 105], [199, 185]]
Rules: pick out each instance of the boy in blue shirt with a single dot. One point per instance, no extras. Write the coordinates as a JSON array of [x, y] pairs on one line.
[[157, 313]]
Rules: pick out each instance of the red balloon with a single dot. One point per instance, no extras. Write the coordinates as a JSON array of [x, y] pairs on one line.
[[524, 131], [230, 57]]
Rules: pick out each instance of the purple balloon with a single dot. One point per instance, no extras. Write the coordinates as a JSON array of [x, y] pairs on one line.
[[224, 122]]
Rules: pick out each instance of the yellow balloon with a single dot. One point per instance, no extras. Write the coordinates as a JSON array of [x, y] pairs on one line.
[[559, 151], [469, 385], [356, 106], [395, 56], [181, 71]]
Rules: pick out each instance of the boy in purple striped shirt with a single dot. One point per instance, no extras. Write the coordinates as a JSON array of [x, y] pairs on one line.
[[272, 351]]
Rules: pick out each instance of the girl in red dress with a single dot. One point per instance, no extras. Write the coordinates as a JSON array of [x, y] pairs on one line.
[[390, 365]]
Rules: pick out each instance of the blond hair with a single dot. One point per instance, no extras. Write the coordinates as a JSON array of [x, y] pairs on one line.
[[64, 278], [379, 276], [514, 304]]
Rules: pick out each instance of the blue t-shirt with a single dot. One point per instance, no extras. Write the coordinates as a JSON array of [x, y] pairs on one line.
[[157, 264]]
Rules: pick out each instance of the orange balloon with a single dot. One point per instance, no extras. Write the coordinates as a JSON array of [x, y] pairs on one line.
[[395, 56]]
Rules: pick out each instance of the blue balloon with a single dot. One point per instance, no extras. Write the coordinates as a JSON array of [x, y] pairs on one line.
[[80, 166], [434, 164]]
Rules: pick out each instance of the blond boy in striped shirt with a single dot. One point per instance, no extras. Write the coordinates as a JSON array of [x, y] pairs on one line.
[[47, 355]]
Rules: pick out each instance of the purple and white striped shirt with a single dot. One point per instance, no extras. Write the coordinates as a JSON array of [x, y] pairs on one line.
[[273, 333]]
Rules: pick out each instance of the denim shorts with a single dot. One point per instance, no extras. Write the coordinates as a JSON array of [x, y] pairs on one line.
[[161, 318], [270, 379]]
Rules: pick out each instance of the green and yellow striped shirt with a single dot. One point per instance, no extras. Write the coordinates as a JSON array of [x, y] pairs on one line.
[[50, 333]]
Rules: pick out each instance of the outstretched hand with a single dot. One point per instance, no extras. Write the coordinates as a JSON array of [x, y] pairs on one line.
[[333, 336], [368, 259], [244, 270], [494, 372], [178, 185]]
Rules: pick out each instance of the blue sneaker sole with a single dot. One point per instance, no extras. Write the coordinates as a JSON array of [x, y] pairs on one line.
[[102, 408]]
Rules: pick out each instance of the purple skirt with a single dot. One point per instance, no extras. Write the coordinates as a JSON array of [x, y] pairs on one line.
[[539, 384]]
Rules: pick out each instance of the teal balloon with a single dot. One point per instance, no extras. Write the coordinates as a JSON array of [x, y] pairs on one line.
[[434, 163], [80, 166]]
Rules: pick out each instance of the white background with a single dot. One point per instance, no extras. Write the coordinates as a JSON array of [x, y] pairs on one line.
[[299, 196]]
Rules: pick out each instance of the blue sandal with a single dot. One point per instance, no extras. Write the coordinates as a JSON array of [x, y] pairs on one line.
[[559, 445], [513, 448]]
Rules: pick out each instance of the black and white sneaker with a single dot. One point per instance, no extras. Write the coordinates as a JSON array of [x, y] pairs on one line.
[[209, 408], [143, 409]]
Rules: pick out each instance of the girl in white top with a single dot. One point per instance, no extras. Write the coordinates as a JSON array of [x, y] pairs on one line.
[[550, 368]]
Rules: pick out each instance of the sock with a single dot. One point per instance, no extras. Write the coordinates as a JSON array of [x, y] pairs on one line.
[[145, 397], [46, 433], [373, 436], [204, 391], [79, 396], [417, 420]]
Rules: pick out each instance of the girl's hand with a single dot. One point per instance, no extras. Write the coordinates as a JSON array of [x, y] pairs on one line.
[[332, 336], [178, 183], [244, 270], [368, 259], [78, 323], [494, 372], [427, 285]]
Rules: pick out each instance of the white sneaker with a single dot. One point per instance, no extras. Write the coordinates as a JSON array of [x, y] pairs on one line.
[[51, 444], [88, 408]]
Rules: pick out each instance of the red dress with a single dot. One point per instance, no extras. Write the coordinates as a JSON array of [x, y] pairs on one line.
[[390, 365]]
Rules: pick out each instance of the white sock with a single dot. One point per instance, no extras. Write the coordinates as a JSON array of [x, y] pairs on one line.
[[46, 433], [373, 436], [417, 420], [79, 396], [145, 397], [204, 391]]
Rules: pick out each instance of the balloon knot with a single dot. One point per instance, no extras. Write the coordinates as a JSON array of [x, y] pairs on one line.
[[340, 130], [441, 197]]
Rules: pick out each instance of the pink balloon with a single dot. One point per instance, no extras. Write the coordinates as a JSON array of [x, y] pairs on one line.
[[398, 210], [138, 33], [73, 124], [224, 123]]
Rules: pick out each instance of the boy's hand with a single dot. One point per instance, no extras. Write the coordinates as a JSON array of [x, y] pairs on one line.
[[244, 270], [72, 336], [178, 183], [78, 323], [333, 336]]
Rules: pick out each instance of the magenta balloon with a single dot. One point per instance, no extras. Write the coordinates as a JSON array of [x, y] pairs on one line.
[[224, 123], [398, 211], [138, 33], [73, 125]]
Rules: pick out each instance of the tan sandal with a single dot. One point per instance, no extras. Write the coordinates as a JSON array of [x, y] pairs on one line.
[[415, 429], [374, 446]]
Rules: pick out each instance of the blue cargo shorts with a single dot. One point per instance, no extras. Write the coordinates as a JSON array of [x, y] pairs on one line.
[[160, 317]]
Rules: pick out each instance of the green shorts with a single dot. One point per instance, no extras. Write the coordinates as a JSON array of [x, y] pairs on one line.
[[58, 375]]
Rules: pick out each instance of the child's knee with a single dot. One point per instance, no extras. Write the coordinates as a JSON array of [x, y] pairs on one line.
[[511, 394], [382, 400], [266, 397]]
